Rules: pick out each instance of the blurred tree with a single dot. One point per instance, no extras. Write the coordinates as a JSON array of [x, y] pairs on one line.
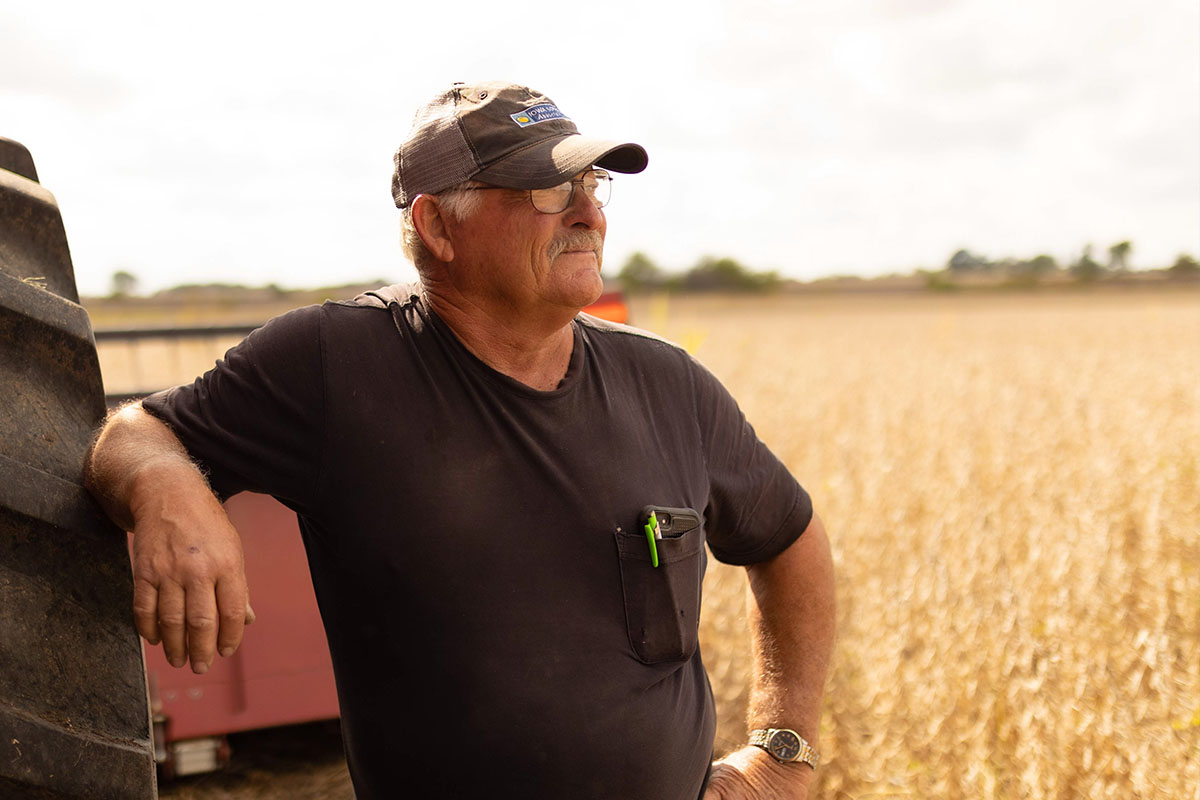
[[1085, 268], [966, 261], [1021, 272], [1184, 266], [1118, 256], [1043, 264], [124, 283], [639, 273], [726, 274]]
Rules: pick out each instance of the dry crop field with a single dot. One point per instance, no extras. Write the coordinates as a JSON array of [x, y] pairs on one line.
[[1012, 488]]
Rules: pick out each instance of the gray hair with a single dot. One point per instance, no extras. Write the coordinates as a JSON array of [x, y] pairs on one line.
[[457, 202]]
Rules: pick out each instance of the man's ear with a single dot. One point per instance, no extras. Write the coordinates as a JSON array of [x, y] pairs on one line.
[[431, 227]]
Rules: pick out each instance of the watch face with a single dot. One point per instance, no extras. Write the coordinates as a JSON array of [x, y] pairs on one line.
[[784, 745]]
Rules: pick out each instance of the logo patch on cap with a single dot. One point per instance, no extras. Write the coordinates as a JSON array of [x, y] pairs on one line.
[[535, 114]]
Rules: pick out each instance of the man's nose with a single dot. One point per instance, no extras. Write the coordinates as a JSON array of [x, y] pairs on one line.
[[583, 212]]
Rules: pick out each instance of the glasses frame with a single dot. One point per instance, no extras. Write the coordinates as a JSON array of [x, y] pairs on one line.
[[574, 182]]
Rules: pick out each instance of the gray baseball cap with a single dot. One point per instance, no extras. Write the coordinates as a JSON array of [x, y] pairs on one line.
[[501, 134]]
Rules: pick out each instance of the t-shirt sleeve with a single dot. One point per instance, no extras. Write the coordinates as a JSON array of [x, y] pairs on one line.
[[254, 422], [756, 509]]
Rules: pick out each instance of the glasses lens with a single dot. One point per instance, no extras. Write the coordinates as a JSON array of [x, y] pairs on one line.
[[601, 190], [596, 184], [553, 200]]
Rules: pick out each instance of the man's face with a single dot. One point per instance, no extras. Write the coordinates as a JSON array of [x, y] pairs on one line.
[[514, 253]]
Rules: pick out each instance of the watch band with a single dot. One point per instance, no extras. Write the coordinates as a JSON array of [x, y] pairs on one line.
[[785, 745]]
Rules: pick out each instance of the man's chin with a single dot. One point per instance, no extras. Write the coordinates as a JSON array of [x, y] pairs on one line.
[[579, 280]]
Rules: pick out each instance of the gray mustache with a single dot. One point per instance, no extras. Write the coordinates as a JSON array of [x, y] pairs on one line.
[[575, 240]]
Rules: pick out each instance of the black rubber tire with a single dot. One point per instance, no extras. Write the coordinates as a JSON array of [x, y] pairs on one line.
[[74, 717]]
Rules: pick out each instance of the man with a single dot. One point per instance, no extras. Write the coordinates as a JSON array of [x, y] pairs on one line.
[[474, 464]]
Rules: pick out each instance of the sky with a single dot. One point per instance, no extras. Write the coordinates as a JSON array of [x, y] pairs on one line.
[[252, 142]]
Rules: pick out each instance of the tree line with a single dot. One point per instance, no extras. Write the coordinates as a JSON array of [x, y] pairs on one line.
[[1084, 267], [709, 274]]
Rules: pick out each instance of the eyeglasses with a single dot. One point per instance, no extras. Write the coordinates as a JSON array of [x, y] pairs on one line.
[[596, 184]]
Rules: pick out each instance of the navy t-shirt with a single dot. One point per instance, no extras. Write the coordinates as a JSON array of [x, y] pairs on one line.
[[494, 619]]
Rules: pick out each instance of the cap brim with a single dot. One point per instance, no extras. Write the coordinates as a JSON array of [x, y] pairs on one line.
[[551, 161]]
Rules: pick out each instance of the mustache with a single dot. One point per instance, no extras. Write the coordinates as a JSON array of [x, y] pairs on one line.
[[576, 240]]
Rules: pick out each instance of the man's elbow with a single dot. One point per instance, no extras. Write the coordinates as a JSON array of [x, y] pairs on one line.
[[106, 440], [128, 441]]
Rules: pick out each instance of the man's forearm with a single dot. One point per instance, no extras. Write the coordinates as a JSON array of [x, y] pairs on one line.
[[133, 450], [792, 621], [189, 580], [791, 626]]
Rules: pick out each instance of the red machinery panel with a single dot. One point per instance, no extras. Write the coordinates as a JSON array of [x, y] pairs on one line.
[[282, 673], [610, 306]]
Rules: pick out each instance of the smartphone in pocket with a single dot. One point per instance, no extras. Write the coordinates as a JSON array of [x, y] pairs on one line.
[[670, 523], [662, 569]]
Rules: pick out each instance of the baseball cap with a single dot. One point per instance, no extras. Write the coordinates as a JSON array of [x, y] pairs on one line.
[[501, 134]]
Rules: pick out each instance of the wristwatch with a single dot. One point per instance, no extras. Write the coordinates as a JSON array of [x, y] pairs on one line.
[[785, 745]]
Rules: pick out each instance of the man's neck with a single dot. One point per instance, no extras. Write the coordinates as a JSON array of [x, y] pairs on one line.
[[532, 349]]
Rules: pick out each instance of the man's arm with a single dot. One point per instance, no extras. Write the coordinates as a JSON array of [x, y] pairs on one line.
[[792, 624], [189, 580]]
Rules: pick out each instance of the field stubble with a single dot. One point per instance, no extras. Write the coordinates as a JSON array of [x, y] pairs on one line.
[[1012, 490]]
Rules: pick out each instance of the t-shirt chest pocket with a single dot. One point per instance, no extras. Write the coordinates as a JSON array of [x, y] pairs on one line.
[[662, 604]]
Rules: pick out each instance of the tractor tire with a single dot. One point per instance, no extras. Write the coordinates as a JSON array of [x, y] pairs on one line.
[[74, 715]]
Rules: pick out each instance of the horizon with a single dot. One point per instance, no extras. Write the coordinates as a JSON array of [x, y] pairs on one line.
[[996, 276]]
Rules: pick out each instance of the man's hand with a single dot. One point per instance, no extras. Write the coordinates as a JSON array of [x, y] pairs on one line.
[[752, 774], [189, 578]]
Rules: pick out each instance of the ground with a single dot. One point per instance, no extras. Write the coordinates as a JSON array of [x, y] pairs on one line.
[[298, 762]]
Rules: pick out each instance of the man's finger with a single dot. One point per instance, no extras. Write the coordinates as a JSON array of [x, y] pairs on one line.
[[250, 616], [201, 625], [232, 608], [145, 610], [171, 622]]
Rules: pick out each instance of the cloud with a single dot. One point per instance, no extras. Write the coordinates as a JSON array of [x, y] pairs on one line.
[[35, 65]]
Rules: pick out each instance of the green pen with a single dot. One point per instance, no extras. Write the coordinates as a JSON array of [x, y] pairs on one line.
[[652, 533]]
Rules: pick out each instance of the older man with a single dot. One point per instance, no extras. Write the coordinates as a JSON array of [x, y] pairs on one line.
[[505, 502]]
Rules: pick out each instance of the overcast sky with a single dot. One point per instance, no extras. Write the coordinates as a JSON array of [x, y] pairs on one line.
[[252, 142]]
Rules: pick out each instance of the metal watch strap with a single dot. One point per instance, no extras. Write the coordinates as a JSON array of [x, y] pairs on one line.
[[761, 737]]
